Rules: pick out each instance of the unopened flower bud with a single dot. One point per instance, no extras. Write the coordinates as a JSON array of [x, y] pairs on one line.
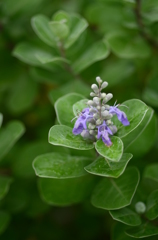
[[108, 122], [96, 100], [91, 126], [140, 207], [95, 115], [98, 122], [105, 113], [104, 85], [91, 132], [113, 128], [102, 108], [95, 88], [99, 81], [109, 116], [92, 94], [98, 107], [85, 134], [90, 102], [109, 96], [103, 95], [107, 107]]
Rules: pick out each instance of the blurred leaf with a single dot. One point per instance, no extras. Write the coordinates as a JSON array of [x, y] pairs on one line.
[[79, 106], [134, 135], [151, 172], [152, 206], [135, 111], [9, 136], [111, 194], [60, 165], [4, 221], [126, 216], [4, 186], [127, 47], [62, 136], [112, 153], [70, 87], [96, 52], [150, 10], [105, 168], [118, 232], [144, 230], [22, 95], [59, 29], [40, 24], [65, 114], [1, 119], [64, 192]]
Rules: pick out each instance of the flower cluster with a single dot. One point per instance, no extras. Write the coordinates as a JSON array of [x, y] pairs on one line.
[[95, 121]]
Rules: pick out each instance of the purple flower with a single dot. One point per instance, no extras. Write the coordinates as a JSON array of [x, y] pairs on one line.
[[103, 132], [80, 123], [120, 115]]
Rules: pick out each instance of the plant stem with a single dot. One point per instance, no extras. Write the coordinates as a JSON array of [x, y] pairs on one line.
[[141, 25]]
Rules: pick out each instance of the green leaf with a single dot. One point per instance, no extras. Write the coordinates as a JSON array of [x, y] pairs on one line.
[[111, 194], [135, 112], [59, 29], [129, 47], [96, 52], [40, 24], [118, 232], [105, 168], [152, 206], [145, 230], [9, 136], [1, 119], [4, 186], [60, 165], [78, 25], [126, 216], [62, 135], [63, 107], [150, 10], [4, 221], [112, 153], [79, 106], [138, 132], [64, 192], [35, 56], [70, 87], [151, 172]]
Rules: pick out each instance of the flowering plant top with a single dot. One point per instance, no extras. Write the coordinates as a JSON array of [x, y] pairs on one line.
[[95, 121]]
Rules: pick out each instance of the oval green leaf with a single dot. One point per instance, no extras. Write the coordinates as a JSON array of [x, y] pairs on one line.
[[112, 153], [79, 106], [111, 194], [105, 168], [63, 107], [60, 165], [142, 231], [151, 172], [62, 135], [126, 216], [152, 206]]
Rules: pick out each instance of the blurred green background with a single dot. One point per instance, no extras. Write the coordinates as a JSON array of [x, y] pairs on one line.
[[129, 30]]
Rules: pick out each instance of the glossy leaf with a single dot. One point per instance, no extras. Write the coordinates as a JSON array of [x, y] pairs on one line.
[[79, 106], [62, 135], [152, 206], [142, 231], [135, 111], [64, 108], [64, 192], [96, 52], [4, 186], [40, 24], [111, 194], [1, 119], [4, 221], [112, 153], [105, 168], [126, 216], [9, 136], [151, 172], [60, 165]]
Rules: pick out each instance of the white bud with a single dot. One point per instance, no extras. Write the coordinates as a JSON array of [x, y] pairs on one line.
[[98, 107], [99, 81], [92, 110], [95, 115], [140, 207], [102, 108], [90, 102], [95, 88], [92, 94], [107, 107], [109, 96], [105, 113], [96, 100], [109, 122], [103, 95], [91, 131], [109, 116], [91, 126], [104, 85], [98, 122], [85, 134]]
